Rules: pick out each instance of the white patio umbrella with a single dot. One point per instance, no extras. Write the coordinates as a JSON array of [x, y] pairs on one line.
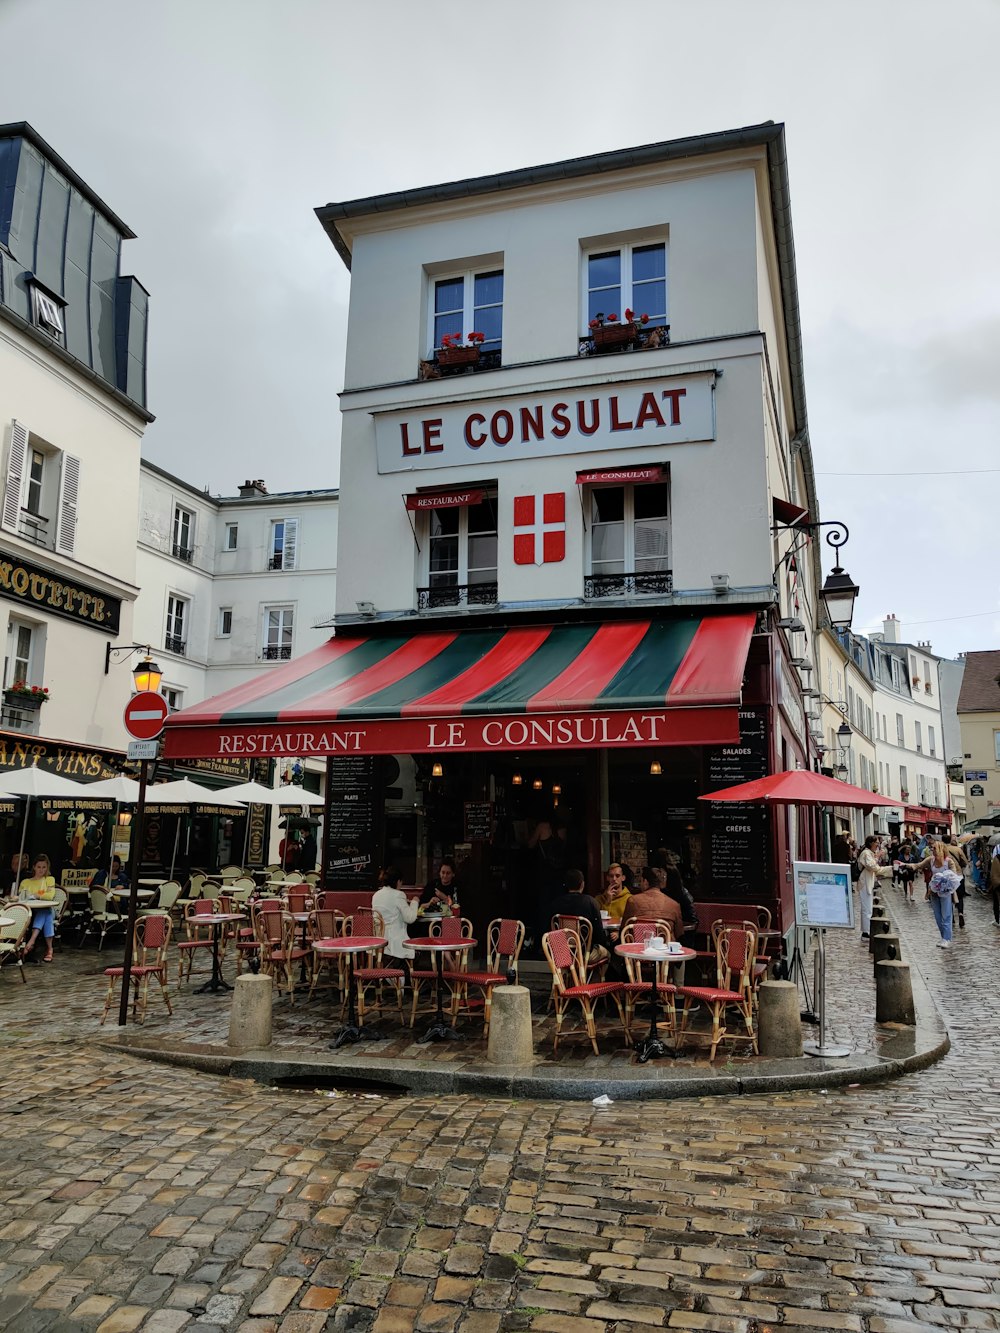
[[255, 793], [33, 782], [182, 791]]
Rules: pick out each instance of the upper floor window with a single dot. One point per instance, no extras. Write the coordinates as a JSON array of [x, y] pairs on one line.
[[225, 625], [625, 297], [918, 735], [175, 637], [461, 550], [174, 698], [41, 492], [46, 311], [23, 664], [996, 748], [468, 303], [900, 733], [230, 536], [931, 742], [284, 543], [183, 545], [629, 540], [279, 623]]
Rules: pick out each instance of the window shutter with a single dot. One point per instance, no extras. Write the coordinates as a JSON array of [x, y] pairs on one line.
[[15, 476], [69, 490], [289, 553]]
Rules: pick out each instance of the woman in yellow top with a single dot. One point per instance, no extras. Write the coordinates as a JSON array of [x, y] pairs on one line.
[[40, 884], [615, 894]]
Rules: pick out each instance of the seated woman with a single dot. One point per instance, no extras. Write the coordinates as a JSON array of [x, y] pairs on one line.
[[40, 884], [442, 892], [119, 879], [397, 913]]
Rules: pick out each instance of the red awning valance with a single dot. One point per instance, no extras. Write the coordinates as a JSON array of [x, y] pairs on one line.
[[443, 499], [623, 476], [785, 512]]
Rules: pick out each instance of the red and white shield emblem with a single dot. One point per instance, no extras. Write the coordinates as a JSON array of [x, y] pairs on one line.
[[539, 529]]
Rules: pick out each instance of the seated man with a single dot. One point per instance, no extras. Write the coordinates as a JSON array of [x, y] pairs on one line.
[[574, 902], [119, 880], [654, 905]]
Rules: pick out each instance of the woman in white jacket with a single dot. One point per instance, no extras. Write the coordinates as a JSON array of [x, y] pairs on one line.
[[391, 904], [870, 872]]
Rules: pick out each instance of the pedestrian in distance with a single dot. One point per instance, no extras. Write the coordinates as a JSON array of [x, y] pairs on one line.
[[942, 890], [994, 881], [960, 861], [871, 871]]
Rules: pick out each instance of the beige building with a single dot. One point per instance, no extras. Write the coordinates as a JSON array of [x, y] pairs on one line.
[[979, 719]]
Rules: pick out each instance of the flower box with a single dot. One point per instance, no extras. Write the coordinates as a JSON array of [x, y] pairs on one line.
[[458, 356], [613, 337], [23, 699]]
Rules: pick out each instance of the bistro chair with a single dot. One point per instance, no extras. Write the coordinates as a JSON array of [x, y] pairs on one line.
[[211, 889], [230, 872], [327, 924], [311, 877], [298, 900], [152, 935], [195, 881], [247, 939], [637, 987], [371, 971], [12, 936], [104, 916], [596, 967], [504, 938], [564, 955], [166, 899], [293, 877], [448, 928], [198, 936], [736, 951], [282, 953]]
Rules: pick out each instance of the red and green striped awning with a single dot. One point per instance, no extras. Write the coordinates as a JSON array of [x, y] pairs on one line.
[[662, 682]]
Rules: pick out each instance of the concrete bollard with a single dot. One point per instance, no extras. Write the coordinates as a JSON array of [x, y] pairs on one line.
[[883, 943], [510, 1039], [779, 1028], [893, 993], [881, 925], [250, 1016]]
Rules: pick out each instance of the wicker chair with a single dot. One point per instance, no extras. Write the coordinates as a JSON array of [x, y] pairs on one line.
[[448, 928], [736, 950], [564, 955], [371, 972], [152, 935], [504, 938]]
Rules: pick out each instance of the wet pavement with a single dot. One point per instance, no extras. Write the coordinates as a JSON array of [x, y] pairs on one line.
[[140, 1195]]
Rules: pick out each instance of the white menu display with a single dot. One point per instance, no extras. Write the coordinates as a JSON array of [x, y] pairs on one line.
[[823, 896]]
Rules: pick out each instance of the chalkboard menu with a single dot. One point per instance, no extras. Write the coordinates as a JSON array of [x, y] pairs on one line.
[[739, 832], [351, 835], [478, 821]]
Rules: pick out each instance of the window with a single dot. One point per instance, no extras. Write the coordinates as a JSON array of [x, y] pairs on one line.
[[278, 625], [931, 742], [41, 492], [225, 627], [174, 698], [633, 277], [937, 791], [284, 543], [904, 783], [175, 639], [996, 747], [900, 733], [918, 733], [868, 720], [47, 312], [183, 534], [461, 556], [20, 642], [230, 537], [629, 540], [897, 675], [469, 303]]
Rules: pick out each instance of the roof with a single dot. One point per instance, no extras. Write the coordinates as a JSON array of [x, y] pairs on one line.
[[22, 130], [980, 692], [220, 501]]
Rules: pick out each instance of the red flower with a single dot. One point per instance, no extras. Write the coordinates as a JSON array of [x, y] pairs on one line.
[[644, 319], [613, 319], [477, 338], [629, 315], [595, 324]]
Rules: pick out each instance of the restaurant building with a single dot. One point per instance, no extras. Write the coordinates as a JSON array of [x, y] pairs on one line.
[[574, 577]]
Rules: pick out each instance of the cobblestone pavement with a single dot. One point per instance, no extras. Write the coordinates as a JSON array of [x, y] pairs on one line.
[[138, 1196]]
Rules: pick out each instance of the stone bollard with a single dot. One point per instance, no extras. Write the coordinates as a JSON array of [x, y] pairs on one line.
[[250, 1016], [881, 925], [510, 1039], [883, 943], [779, 1028], [893, 993]]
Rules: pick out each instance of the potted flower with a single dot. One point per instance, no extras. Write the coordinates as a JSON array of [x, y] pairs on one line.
[[22, 695], [609, 334], [453, 351]]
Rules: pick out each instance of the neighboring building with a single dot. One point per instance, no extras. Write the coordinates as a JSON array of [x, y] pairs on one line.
[[846, 695], [979, 718], [574, 547], [73, 412], [950, 674]]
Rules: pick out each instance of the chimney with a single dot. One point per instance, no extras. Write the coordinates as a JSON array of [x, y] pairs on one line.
[[925, 644], [890, 629], [251, 488]]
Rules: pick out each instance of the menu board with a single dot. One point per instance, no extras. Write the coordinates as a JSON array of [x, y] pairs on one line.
[[350, 839], [478, 821], [738, 831], [823, 896]]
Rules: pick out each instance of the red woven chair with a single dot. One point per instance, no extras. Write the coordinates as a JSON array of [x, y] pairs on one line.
[[370, 972], [152, 935], [735, 958], [198, 937], [281, 952], [298, 900], [564, 955], [448, 928], [637, 988], [326, 923], [504, 938], [246, 942]]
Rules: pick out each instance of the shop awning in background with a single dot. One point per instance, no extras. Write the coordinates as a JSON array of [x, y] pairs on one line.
[[665, 682]]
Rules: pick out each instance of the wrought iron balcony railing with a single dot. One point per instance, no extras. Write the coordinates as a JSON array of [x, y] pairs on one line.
[[173, 644], [184, 553], [276, 652], [457, 594], [628, 585]]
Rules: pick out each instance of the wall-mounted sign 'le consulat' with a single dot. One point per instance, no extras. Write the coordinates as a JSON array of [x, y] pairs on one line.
[[586, 419], [44, 591]]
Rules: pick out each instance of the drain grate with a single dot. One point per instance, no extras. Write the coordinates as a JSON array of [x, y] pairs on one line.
[[336, 1083]]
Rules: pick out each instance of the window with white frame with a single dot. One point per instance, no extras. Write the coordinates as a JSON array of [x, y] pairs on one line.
[[183, 544], [41, 492], [283, 549], [629, 277], [278, 628], [900, 733], [174, 698], [937, 791], [175, 636], [628, 539], [895, 673], [469, 302], [46, 312], [461, 546], [225, 623], [996, 748], [904, 783], [918, 734], [21, 652], [230, 536]]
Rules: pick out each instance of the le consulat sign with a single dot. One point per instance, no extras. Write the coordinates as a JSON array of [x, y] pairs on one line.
[[44, 591]]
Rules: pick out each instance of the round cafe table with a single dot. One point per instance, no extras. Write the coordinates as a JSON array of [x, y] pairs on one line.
[[351, 945], [6, 921], [216, 920], [441, 1029], [141, 894], [652, 1046]]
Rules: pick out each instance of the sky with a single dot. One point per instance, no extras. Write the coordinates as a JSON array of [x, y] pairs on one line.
[[213, 128]]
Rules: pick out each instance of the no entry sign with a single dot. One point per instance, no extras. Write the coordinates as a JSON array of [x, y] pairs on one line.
[[145, 715]]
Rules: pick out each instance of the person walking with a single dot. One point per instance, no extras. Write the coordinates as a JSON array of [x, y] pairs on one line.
[[942, 888], [994, 880], [906, 859], [871, 871], [961, 863]]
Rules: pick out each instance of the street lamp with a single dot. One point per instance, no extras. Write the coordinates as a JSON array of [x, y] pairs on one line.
[[146, 674], [839, 591]]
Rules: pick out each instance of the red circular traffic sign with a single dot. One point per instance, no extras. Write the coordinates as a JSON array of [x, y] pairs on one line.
[[145, 715]]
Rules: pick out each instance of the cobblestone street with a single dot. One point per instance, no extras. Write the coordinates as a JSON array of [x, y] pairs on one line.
[[141, 1196]]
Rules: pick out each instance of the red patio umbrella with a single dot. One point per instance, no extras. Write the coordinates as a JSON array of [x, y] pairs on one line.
[[799, 786]]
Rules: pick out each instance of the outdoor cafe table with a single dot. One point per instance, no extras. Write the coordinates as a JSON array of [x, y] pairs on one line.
[[216, 920], [351, 945], [651, 1045], [7, 921], [141, 894], [440, 1030]]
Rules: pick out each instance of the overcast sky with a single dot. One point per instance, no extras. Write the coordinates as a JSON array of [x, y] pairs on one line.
[[214, 127]]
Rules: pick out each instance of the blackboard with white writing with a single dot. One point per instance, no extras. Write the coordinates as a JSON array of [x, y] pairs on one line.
[[738, 831], [350, 841]]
